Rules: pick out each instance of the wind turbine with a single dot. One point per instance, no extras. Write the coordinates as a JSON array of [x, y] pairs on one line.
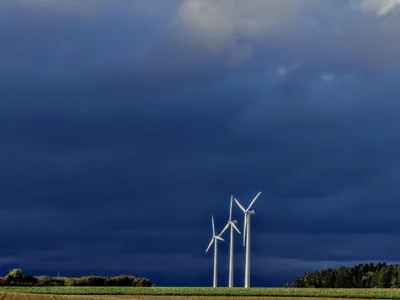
[[246, 237], [214, 240], [231, 223]]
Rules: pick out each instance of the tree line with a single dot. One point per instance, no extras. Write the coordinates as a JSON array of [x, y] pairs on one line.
[[17, 278], [370, 275]]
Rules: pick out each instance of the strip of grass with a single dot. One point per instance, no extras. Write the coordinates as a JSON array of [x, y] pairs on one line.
[[183, 291]]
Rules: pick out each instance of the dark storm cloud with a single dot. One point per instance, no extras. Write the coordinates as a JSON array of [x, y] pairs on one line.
[[123, 129]]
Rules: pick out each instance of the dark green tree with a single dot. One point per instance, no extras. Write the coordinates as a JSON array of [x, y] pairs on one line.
[[380, 275], [14, 277]]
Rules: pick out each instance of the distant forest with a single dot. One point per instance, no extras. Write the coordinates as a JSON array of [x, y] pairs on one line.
[[17, 278], [379, 275]]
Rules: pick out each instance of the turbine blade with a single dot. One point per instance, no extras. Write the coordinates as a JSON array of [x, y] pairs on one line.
[[254, 200], [208, 248], [244, 230], [234, 226], [225, 228], [219, 238], [213, 225], [230, 211], [240, 205]]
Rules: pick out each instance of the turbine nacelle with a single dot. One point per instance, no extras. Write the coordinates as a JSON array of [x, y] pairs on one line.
[[251, 204], [214, 236], [247, 213], [231, 222]]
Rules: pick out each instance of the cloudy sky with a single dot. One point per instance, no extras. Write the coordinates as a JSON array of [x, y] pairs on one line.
[[125, 124]]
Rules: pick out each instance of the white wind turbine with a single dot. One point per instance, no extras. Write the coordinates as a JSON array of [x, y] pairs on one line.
[[214, 240], [231, 223], [246, 237]]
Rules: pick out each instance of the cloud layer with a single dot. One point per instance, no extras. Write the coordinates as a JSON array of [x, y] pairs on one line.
[[125, 125]]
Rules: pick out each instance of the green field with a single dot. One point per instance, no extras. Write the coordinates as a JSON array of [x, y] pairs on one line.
[[341, 293]]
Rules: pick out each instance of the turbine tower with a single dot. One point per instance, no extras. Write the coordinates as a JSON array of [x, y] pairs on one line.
[[231, 223], [214, 240], [246, 237]]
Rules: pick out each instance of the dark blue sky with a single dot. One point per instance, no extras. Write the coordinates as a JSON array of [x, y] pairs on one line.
[[125, 124]]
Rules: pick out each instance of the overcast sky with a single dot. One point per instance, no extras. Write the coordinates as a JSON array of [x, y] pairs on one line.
[[125, 124]]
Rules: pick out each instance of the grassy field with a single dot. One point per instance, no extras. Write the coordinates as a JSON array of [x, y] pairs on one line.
[[180, 291], [21, 296]]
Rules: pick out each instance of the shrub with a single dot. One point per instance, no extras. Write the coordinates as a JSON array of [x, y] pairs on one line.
[[111, 281], [57, 282], [121, 280], [93, 280], [43, 280], [70, 281], [14, 277], [30, 280], [142, 282], [2, 281], [79, 281], [48, 281]]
